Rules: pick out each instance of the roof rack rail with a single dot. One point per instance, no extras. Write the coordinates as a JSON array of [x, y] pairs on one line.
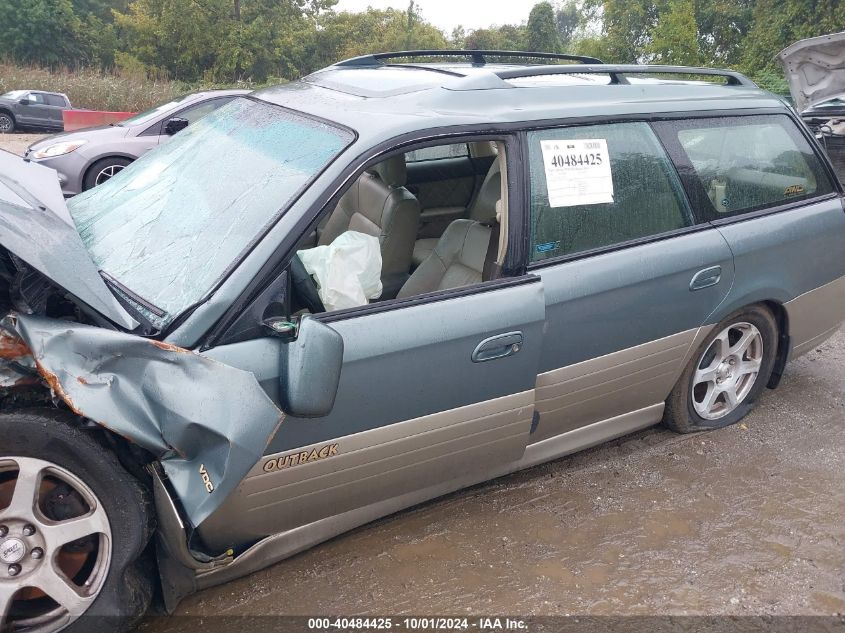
[[617, 72], [479, 58]]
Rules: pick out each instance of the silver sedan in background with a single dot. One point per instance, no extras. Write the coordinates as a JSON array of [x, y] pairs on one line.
[[89, 157]]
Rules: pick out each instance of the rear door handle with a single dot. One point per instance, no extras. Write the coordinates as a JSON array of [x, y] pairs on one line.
[[706, 278], [498, 346]]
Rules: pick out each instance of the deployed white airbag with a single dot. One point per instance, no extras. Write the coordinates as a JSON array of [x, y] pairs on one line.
[[347, 271]]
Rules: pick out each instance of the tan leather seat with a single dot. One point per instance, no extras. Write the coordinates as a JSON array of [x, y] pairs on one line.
[[482, 209], [378, 204], [457, 260]]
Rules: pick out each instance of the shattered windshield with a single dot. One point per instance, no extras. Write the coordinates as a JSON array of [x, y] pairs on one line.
[[168, 227]]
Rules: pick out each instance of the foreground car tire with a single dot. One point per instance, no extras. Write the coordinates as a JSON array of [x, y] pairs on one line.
[[7, 123], [73, 529], [103, 170], [727, 373]]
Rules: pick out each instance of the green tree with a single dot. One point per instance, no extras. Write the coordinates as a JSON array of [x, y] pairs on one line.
[[99, 8], [46, 32], [626, 25], [592, 47], [542, 30], [674, 38], [158, 36], [567, 21], [723, 27], [221, 40], [776, 25], [629, 27], [500, 38], [342, 35]]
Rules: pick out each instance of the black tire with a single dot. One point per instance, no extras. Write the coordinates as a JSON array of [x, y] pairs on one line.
[[7, 122], [680, 414], [94, 172], [128, 586]]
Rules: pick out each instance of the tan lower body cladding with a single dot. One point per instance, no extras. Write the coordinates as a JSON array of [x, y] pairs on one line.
[[815, 316], [612, 385], [286, 490]]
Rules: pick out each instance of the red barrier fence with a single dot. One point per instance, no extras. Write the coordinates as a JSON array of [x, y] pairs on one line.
[[79, 119]]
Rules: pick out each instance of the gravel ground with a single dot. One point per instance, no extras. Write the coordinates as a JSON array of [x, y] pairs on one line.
[[17, 143], [746, 520]]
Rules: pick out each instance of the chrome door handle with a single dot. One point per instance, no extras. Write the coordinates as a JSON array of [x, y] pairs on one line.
[[706, 278], [498, 346]]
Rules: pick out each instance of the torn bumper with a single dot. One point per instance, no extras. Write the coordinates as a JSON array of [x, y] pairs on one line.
[[206, 422]]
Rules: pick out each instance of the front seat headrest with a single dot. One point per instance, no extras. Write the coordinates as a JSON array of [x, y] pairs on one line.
[[483, 208], [391, 171]]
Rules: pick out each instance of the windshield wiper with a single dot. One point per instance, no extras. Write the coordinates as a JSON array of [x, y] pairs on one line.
[[114, 284]]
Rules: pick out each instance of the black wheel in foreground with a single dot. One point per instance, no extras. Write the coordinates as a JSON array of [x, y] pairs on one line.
[[74, 526], [103, 170], [727, 373]]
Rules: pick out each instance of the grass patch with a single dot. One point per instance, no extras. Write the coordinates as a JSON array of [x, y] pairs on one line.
[[98, 90]]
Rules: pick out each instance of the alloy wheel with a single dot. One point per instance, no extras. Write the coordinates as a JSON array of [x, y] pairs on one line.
[[727, 371], [6, 124], [107, 172], [55, 545]]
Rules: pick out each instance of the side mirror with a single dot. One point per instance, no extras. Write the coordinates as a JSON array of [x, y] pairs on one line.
[[25, 101], [310, 366], [174, 125]]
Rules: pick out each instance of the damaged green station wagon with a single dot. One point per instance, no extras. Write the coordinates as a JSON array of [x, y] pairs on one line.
[[400, 276]]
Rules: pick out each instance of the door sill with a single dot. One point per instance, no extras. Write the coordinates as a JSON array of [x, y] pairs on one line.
[[590, 435]]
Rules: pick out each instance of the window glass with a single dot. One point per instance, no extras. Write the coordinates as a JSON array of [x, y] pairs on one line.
[[749, 163], [36, 97], [148, 115], [455, 150], [55, 100], [170, 225], [198, 111], [610, 184]]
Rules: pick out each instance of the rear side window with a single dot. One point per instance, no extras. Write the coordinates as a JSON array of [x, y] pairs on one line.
[[438, 152], [55, 100], [600, 185], [736, 165]]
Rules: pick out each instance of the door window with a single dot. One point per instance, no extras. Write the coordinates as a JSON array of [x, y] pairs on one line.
[[600, 185], [438, 152], [365, 244], [55, 100], [36, 98], [198, 111], [737, 165]]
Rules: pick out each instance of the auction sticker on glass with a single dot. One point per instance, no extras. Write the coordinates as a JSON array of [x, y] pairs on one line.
[[577, 172]]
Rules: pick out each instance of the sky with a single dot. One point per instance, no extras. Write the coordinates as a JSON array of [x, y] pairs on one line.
[[447, 14]]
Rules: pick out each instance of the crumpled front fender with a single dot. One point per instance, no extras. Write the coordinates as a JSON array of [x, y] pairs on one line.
[[207, 423]]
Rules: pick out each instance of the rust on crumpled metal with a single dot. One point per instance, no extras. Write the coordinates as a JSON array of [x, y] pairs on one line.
[[189, 411]]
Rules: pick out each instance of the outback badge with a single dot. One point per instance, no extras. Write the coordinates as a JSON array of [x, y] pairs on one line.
[[295, 459]]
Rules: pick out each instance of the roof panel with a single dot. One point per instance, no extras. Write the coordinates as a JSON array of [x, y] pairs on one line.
[[382, 102]]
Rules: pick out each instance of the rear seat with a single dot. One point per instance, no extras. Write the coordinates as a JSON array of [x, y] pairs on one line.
[[481, 210]]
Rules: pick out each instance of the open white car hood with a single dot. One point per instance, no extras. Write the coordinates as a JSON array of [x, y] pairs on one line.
[[815, 69]]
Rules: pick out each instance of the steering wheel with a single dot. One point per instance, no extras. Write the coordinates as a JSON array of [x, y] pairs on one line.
[[305, 287]]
